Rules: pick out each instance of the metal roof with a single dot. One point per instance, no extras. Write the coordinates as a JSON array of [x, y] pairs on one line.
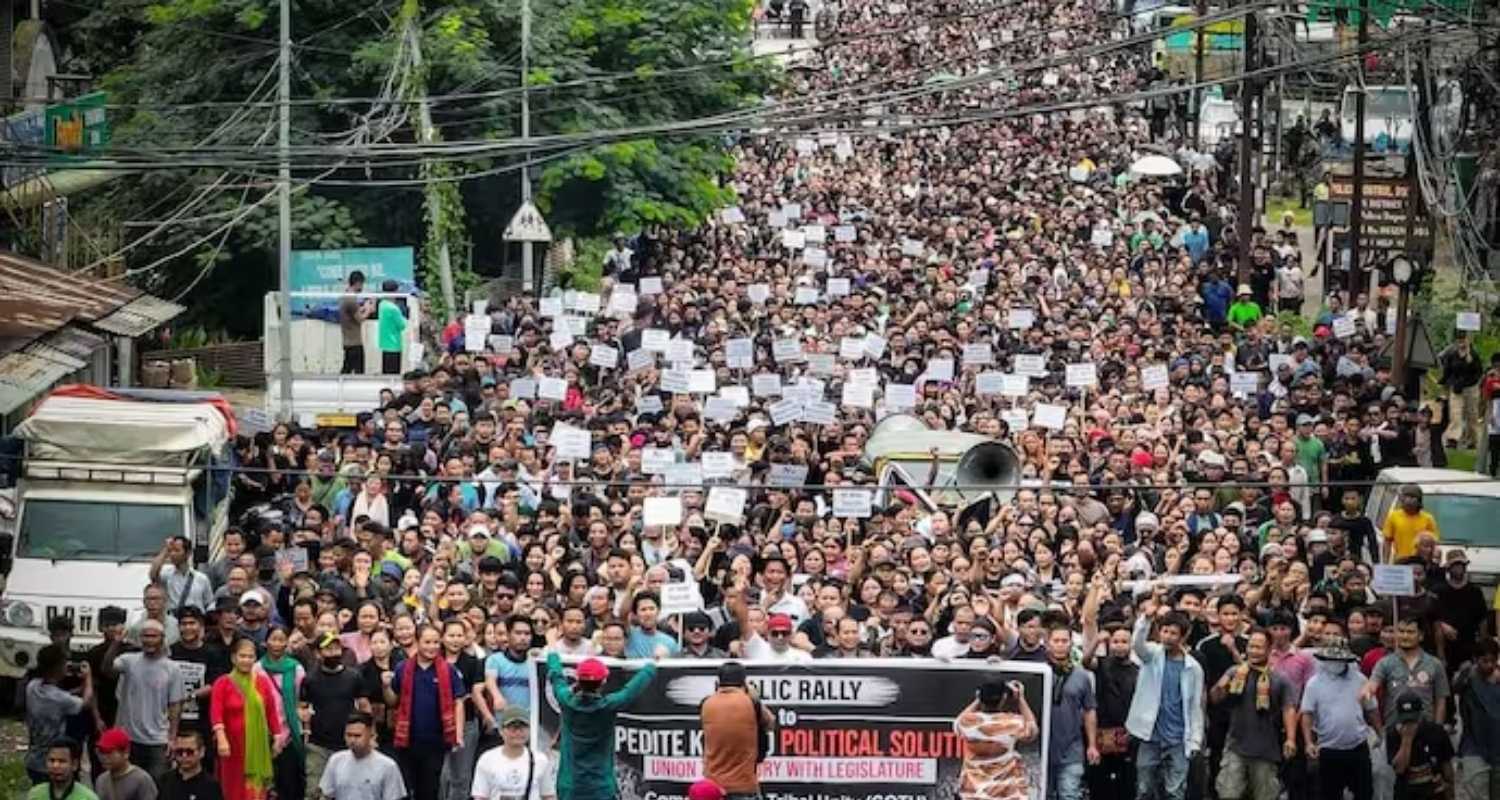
[[138, 316]]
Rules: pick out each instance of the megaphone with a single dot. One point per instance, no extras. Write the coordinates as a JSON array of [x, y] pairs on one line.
[[969, 467]]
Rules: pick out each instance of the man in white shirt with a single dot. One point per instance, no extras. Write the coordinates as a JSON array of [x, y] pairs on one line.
[[779, 628], [361, 772], [956, 644], [184, 585], [779, 597], [572, 642], [513, 770]]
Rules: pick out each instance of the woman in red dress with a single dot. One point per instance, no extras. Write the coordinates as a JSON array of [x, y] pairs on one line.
[[247, 728]]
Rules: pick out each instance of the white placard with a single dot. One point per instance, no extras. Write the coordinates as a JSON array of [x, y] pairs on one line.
[[1277, 359], [792, 211], [866, 375], [844, 234], [806, 296], [1246, 383], [978, 355], [758, 293], [570, 442], [1021, 319], [851, 348], [504, 345], [476, 332], [874, 345], [858, 395], [662, 511], [680, 598], [1393, 580], [989, 382], [939, 369], [702, 381], [1015, 385], [776, 219], [732, 215], [765, 384], [655, 340], [979, 278], [838, 287], [1343, 327], [1083, 375], [680, 352], [1015, 418], [1154, 377], [561, 339], [785, 411], [1048, 415], [551, 389], [785, 350], [738, 395], [822, 363], [814, 234], [650, 286], [638, 360], [911, 248], [602, 355], [793, 239], [820, 412], [648, 404], [1468, 321], [623, 302], [718, 464], [655, 460], [523, 389], [675, 381], [853, 503], [787, 475], [900, 395], [1032, 366], [726, 504], [550, 306], [683, 477], [739, 353]]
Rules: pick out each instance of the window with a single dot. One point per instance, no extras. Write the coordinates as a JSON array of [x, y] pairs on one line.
[[1469, 519], [96, 531]]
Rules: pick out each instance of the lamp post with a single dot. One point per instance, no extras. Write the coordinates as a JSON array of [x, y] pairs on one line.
[[1401, 272]]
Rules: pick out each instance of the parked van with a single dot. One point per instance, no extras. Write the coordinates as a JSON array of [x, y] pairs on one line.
[[1465, 505]]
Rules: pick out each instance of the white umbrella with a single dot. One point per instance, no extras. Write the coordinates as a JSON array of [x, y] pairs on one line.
[[1155, 167]]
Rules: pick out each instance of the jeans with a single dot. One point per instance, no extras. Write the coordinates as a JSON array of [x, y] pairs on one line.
[[1344, 769], [1066, 782], [390, 362], [1478, 780], [354, 360], [1161, 771], [458, 766], [152, 758]]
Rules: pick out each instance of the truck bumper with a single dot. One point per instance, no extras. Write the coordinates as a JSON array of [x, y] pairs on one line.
[[18, 649]]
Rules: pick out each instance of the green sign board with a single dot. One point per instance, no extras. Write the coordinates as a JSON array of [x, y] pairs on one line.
[[78, 127], [329, 270]]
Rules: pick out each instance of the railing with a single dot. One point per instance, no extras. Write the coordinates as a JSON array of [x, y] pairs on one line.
[[240, 364]]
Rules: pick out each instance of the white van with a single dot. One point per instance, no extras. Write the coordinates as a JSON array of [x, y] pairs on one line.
[[1466, 506]]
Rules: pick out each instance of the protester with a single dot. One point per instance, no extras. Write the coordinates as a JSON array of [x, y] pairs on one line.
[[514, 770], [1420, 752], [249, 731], [1336, 720], [188, 780], [427, 693], [151, 693], [587, 742], [361, 772], [48, 707], [62, 774], [120, 779], [329, 693], [1262, 725], [1166, 713], [733, 725]]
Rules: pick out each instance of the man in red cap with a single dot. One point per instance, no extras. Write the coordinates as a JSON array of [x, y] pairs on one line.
[[705, 790], [121, 780], [779, 630], [586, 744]]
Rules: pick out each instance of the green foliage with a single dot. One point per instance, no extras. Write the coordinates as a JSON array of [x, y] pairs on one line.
[[1295, 323], [208, 378], [587, 272]]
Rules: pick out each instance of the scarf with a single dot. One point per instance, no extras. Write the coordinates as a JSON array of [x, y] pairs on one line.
[[444, 674], [1262, 687], [285, 671], [1060, 675], [258, 770]]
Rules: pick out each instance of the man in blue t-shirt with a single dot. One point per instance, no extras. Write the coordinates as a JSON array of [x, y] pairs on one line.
[[507, 673], [645, 637]]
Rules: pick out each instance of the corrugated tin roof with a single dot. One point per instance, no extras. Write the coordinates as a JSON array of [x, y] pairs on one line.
[[25, 374], [138, 316], [91, 299]]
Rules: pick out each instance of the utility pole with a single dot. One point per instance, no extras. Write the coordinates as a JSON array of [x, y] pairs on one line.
[[284, 190], [529, 278], [1357, 203], [428, 135], [1248, 91], [1201, 10]]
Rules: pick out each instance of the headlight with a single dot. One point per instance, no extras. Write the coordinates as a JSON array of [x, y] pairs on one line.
[[17, 614]]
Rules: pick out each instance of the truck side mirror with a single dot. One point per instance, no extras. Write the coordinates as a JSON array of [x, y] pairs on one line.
[[7, 542]]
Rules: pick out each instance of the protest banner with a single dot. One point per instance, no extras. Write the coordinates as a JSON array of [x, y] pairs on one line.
[[872, 729]]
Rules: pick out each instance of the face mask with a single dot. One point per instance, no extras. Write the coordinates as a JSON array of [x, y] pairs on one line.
[[1334, 669], [332, 662]]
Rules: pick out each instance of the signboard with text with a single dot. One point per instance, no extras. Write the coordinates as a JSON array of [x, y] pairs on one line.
[[328, 271]]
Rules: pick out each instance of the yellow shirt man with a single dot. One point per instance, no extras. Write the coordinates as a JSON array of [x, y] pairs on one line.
[[1402, 527]]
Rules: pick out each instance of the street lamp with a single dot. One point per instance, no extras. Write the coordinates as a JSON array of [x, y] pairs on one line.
[[1402, 271]]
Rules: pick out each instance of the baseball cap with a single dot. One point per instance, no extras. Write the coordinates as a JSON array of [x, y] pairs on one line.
[[252, 596], [779, 622], [697, 619], [1456, 556], [1146, 519], [705, 789], [1317, 536], [391, 569], [592, 670], [514, 714], [1305, 419], [1408, 708], [479, 530], [114, 740]]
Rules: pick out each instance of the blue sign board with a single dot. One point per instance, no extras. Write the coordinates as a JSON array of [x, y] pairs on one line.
[[328, 271], [27, 132]]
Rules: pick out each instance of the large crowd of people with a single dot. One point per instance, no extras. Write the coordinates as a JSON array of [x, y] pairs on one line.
[[1187, 547]]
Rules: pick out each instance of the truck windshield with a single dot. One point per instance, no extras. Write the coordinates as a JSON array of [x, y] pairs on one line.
[[57, 529], [1466, 518]]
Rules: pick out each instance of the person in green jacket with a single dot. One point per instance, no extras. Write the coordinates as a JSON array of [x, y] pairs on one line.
[[1245, 312], [62, 774], [390, 326], [586, 758]]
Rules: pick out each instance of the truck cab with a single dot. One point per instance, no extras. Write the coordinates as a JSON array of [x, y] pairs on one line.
[[103, 482], [1464, 504]]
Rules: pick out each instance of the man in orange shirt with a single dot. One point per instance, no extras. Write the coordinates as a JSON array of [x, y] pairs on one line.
[[732, 720]]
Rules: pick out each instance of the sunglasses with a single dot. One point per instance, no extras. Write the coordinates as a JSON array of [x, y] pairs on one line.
[[780, 634], [979, 636], [692, 628], [505, 595], [184, 751]]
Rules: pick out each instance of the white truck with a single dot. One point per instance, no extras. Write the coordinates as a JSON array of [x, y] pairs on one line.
[[1464, 504], [106, 476]]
